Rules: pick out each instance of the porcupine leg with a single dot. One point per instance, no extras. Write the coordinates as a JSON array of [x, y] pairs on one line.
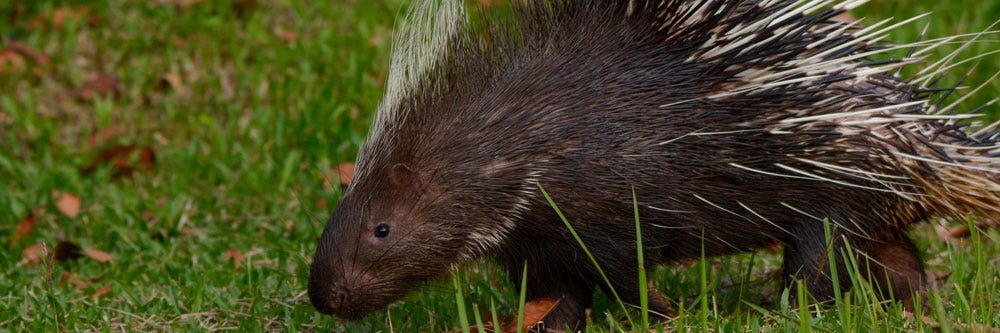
[[891, 264], [895, 269], [806, 259], [575, 295]]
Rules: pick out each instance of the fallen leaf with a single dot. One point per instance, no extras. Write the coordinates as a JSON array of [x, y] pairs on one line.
[[57, 17], [104, 136], [321, 204], [125, 160], [27, 226], [11, 61], [289, 226], [241, 7], [375, 41], [66, 250], [961, 231], [534, 312], [174, 82], [68, 203], [345, 172], [287, 35], [68, 277], [98, 255], [32, 255], [102, 85], [235, 255], [36, 56], [103, 290]]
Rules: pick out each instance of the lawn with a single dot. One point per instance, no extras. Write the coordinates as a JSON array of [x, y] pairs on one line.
[[168, 165]]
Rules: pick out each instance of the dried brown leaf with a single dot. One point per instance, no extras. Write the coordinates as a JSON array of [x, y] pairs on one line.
[[98, 255], [104, 136], [11, 61], [287, 35], [33, 254], [39, 58], [345, 172], [67, 250], [27, 226], [72, 278], [963, 231], [68, 203], [125, 159], [235, 255], [101, 85], [103, 290], [534, 311], [174, 82]]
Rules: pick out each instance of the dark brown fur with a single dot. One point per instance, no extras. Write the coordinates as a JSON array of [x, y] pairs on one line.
[[591, 103]]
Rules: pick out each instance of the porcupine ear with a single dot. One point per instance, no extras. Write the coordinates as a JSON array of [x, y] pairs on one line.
[[401, 176]]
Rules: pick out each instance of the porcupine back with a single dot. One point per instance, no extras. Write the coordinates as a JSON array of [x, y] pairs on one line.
[[737, 124], [739, 85]]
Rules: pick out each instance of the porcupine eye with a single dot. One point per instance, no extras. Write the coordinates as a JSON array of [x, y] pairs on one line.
[[381, 230]]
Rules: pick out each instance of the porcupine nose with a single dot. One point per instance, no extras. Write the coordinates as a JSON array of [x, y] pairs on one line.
[[329, 300]]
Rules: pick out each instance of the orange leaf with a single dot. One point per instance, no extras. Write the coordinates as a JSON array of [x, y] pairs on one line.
[[68, 203], [345, 172], [27, 226], [104, 290], [38, 57], [68, 277], [174, 82], [287, 35], [235, 255], [10, 60], [98, 255], [103, 136], [32, 255], [125, 159], [534, 312], [102, 85]]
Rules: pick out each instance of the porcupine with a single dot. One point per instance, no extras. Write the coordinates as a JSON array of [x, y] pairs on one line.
[[737, 124]]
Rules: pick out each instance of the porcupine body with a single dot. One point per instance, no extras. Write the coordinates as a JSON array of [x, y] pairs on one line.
[[738, 124]]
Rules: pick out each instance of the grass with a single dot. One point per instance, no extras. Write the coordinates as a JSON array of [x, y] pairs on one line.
[[249, 106]]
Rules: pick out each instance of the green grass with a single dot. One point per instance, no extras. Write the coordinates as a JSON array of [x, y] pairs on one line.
[[245, 146]]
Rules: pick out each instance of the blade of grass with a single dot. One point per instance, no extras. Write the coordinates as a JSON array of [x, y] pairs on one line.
[[593, 261], [463, 317], [643, 285], [521, 298]]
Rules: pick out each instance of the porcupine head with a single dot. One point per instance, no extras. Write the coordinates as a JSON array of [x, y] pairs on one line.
[[473, 122]]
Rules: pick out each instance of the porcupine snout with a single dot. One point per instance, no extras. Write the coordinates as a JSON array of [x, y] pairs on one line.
[[329, 300]]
